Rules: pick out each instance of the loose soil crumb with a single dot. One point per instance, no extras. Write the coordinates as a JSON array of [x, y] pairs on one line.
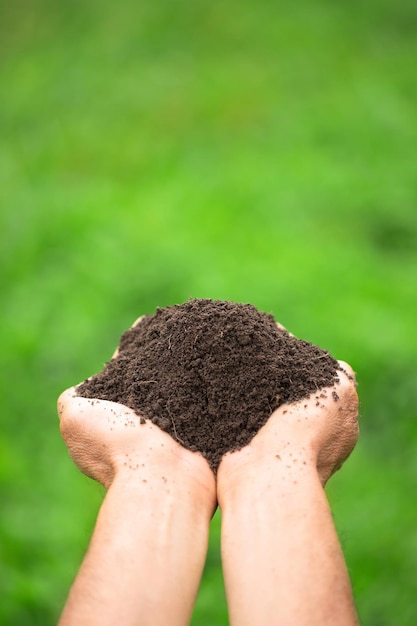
[[210, 373]]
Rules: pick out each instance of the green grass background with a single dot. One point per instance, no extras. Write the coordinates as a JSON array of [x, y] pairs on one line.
[[254, 151]]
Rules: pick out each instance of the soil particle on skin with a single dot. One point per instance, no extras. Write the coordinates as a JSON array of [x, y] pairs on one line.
[[210, 373]]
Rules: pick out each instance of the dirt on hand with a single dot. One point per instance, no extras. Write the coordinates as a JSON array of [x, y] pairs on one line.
[[210, 373]]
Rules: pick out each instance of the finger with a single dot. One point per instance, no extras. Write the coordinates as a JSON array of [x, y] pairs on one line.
[[135, 323], [281, 327], [70, 405], [349, 393], [346, 368], [66, 400]]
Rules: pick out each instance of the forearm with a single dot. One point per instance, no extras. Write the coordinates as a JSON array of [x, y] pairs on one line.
[[281, 556], [145, 558]]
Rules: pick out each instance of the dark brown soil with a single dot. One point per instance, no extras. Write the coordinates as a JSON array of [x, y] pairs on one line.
[[210, 373]]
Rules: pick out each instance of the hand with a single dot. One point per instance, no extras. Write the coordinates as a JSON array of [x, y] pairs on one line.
[[282, 561], [147, 553], [108, 440], [318, 432]]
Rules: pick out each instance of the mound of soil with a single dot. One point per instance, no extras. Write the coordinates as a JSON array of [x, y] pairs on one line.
[[210, 373]]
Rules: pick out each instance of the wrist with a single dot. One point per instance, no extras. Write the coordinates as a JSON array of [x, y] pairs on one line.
[[248, 475], [180, 476]]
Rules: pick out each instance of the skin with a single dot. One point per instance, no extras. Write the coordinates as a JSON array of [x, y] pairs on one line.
[[281, 557], [282, 561], [147, 553]]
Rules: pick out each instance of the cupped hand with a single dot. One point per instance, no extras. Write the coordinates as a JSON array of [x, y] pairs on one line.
[[320, 431], [108, 440]]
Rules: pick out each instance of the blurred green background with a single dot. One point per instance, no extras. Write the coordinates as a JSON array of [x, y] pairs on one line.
[[252, 151]]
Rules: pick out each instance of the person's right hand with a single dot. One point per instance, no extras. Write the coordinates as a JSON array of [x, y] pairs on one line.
[[108, 440], [319, 432]]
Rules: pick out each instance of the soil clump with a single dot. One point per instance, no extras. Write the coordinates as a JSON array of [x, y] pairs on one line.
[[210, 373]]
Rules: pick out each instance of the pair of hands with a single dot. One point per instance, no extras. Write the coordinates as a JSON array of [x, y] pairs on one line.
[[108, 442]]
